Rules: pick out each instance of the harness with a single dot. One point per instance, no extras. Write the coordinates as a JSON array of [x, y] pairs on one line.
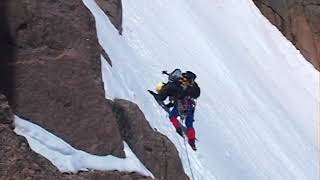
[[185, 105]]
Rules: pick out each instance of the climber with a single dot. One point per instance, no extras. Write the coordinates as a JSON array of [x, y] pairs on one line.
[[182, 91]]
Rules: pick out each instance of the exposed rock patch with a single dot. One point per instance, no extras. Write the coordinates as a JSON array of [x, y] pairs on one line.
[[6, 115], [299, 21], [155, 150], [112, 8]]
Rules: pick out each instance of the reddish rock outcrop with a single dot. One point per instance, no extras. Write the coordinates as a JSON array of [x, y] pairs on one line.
[[299, 21], [18, 161], [155, 150], [56, 73]]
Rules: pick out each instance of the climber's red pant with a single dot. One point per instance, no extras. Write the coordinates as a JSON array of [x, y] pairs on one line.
[[191, 134], [175, 122]]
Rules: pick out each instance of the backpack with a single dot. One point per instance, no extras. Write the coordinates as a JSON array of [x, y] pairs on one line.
[[175, 75]]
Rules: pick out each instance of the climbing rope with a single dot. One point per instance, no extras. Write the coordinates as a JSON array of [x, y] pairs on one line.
[[182, 119], [185, 147], [183, 114]]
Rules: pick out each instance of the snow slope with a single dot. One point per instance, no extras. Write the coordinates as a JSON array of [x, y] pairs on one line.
[[257, 114]]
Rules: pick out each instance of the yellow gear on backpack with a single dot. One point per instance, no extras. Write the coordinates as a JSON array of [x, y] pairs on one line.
[[159, 87]]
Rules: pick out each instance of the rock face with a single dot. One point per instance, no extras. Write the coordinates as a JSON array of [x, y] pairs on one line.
[[156, 151], [299, 21], [18, 161], [56, 73]]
